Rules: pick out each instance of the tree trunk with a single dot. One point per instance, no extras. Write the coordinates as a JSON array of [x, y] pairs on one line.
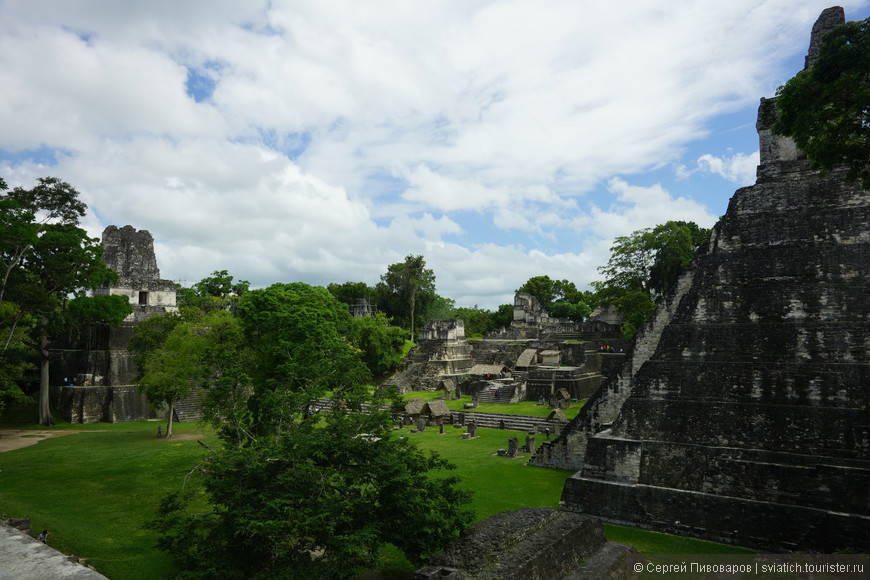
[[44, 407], [169, 418], [413, 303]]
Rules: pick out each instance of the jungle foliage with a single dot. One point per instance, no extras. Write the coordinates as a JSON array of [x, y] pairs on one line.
[[826, 108], [299, 488]]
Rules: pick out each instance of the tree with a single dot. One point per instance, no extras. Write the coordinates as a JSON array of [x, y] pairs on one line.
[[303, 492], [302, 345], [644, 266], [380, 343], [558, 297], [44, 259], [675, 244], [406, 290], [503, 316], [349, 292], [440, 308], [478, 321], [170, 372], [149, 335], [215, 292], [317, 504], [826, 108], [225, 359], [14, 355]]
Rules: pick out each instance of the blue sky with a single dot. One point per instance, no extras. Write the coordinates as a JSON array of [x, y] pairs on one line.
[[321, 141]]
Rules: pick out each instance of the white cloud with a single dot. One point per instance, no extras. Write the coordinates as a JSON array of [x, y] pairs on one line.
[[738, 168], [636, 207], [341, 136]]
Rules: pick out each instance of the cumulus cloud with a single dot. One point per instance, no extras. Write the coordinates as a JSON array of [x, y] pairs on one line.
[[322, 141], [738, 168], [635, 207]]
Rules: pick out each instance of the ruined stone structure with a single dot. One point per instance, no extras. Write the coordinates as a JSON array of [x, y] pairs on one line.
[[130, 253], [362, 308], [532, 544], [544, 381], [531, 320], [741, 414], [98, 362], [441, 353], [550, 352]]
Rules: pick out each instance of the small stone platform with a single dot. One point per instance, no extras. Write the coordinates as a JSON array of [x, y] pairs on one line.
[[530, 544]]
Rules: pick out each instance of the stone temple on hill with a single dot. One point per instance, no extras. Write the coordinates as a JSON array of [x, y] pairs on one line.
[[741, 414]]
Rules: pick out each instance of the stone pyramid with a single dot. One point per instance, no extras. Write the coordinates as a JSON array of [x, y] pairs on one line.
[[741, 414]]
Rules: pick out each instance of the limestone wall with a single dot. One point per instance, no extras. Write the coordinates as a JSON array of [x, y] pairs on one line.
[[101, 404]]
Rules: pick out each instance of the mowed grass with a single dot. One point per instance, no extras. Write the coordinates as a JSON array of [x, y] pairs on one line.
[[503, 483], [93, 490], [528, 408], [499, 483]]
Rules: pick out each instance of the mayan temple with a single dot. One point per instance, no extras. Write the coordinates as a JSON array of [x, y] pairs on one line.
[[94, 373], [741, 414]]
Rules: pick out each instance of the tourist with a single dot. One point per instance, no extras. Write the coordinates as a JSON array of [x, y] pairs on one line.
[[43, 537]]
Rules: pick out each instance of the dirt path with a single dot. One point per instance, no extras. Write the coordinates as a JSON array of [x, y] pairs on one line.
[[18, 438], [12, 439]]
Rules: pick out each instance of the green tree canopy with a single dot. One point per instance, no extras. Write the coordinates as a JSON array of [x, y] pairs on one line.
[[503, 316], [644, 266], [826, 108], [299, 491], [301, 338], [349, 292], [407, 291], [381, 344], [558, 297], [171, 372], [478, 321], [215, 292], [150, 334], [45, 259]]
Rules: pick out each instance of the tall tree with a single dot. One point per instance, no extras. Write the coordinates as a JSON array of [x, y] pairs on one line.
[[171, 372], [301, 340], [44, 259], [644, 266], [402, 287], [187, 349], [301, 493], [826, 108], [503, 316], [478, 321]]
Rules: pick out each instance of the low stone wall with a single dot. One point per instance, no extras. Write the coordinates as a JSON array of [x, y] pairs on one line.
[[101, 404], [719, 518], [25, 558]]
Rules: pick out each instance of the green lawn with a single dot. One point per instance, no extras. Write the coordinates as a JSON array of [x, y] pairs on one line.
[[499, 483], [93, 490], [529, 408]]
